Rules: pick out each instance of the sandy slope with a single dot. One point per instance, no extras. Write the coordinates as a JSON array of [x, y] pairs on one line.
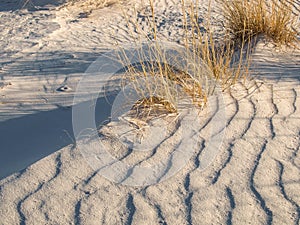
[[255, 178]]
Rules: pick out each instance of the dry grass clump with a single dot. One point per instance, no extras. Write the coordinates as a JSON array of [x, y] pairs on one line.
[[210, 63], [159, 79], [152, 106], [273, 18], [228, 60]]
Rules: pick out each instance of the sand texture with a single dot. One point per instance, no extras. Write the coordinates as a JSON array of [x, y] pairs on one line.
[[254, 178]]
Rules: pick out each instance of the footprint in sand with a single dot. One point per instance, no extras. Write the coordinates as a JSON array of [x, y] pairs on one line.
[[64, 88]]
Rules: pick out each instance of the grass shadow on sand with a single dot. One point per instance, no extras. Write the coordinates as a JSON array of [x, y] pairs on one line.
[[30, 138], [12, 5]]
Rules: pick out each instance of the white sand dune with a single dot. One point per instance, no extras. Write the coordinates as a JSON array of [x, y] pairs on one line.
[[254, 179]]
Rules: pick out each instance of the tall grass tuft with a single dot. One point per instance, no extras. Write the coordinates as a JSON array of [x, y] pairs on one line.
[[228, 60], [226, 64], [274, 19]]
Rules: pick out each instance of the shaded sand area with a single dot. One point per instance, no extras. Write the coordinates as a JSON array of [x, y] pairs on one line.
[[254, 178]]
